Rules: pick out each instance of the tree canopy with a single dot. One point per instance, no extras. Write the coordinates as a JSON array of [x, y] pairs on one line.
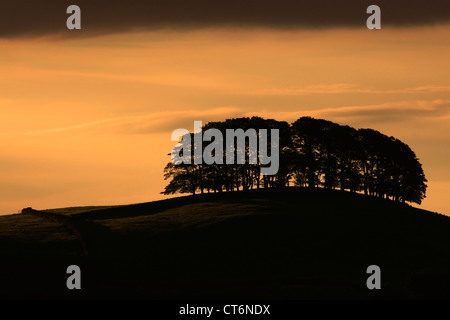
[[313, 153]]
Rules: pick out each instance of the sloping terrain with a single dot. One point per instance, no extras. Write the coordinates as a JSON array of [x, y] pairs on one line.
[[262, 244], [34, 256]]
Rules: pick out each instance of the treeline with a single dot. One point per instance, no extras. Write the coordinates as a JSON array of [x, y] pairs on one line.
[[312, 153]]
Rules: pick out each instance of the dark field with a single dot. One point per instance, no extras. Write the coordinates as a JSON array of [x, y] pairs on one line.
[[288, 244]]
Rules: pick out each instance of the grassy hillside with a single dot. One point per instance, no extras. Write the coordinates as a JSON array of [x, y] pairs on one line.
[[33, 253], [289, 244]]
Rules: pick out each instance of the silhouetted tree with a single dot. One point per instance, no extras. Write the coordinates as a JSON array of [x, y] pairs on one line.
[[347, 153], [184, 178], [312, 153], [305, 135]]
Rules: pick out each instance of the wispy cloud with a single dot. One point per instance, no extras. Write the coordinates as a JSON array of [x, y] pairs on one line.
[[171, 120], [154, 122], [386, 112], [167, 121], [342, 88], [166, 79]]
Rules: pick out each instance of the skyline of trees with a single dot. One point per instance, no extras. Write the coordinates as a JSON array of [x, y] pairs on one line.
[[313, 153]]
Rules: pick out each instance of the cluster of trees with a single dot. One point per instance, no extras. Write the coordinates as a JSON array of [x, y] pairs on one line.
[[312, 153]]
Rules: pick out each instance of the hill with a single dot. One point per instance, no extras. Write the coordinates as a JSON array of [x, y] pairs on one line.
[[293, 243]]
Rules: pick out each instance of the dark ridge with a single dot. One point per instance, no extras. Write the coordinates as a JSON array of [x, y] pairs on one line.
[[291, 243]]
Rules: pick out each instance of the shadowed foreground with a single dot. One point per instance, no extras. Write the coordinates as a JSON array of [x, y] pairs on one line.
[[289, 244]]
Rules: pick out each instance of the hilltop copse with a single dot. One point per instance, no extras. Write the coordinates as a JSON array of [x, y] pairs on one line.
[[310, 152]]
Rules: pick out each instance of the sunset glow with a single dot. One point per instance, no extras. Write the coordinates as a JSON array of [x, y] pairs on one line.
[[88, 120]]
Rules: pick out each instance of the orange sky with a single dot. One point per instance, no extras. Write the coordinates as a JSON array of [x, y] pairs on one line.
[[87, 121]]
